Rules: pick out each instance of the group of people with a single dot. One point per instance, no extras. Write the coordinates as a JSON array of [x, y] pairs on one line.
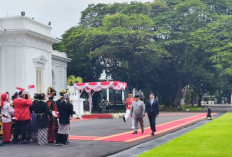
[[36, 120], [104, 106], [137, 109]]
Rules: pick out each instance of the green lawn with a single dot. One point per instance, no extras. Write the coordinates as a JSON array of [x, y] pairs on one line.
[[183, 108], [194, 108], [213, 139]]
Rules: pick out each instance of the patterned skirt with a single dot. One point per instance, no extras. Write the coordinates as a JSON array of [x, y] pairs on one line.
[[6, 132], [33, 127], [52, 130], [42, 136], [63, 128]]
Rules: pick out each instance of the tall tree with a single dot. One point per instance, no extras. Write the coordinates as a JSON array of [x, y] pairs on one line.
[[161, 46], [130, 50]]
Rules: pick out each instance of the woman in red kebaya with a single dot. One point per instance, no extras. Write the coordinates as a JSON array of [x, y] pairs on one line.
[[53, 126], [22, 117]]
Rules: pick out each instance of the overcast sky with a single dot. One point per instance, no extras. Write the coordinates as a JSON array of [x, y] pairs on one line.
[[62, 13]]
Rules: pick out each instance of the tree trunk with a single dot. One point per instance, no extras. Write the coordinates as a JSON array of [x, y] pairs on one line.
[[192, 99], [199, 100], [177, 98]]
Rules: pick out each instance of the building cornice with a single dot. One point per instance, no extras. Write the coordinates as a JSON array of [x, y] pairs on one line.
[[27, 18], [33, 33], [63, 59]]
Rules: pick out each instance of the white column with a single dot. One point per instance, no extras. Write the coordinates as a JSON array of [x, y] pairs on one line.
[[1, 68], [78, 106], [90, 103], [123, 95], [133, 92], [108, 94]]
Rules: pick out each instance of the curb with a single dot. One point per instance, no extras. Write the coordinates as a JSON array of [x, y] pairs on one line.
[[141, 148]]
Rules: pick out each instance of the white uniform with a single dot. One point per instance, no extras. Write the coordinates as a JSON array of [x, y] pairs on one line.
[[7, 111]]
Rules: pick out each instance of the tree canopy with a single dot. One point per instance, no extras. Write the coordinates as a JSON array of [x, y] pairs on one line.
[[161, 46]]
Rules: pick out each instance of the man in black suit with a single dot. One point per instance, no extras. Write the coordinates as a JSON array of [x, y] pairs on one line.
[[152, 110]]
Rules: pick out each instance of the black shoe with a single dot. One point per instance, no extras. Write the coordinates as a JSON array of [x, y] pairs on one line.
[[15, 141], [64, 145], [135, 132], [153, 134], [124, 119], [25, 142], [142, 131]]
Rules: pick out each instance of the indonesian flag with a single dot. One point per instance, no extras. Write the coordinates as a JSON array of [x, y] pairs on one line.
[[31, 89], [18, 89], [55, 114]]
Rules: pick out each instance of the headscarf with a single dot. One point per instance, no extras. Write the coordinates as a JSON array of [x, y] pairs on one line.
[[4, 98]]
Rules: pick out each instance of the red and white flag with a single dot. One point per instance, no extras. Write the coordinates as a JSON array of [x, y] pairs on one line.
[[55, 113], [18, 89], [31, 88]]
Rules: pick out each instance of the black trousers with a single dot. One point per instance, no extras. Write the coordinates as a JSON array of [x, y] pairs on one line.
[[107, 109], [152, 119], [21, 128], [61, 138], [100, 110], [209, 115]]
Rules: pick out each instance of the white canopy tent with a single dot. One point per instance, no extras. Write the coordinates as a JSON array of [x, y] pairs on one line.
[[92, 87]]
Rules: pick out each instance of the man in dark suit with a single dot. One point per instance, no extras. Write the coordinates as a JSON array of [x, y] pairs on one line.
[[152, 110]]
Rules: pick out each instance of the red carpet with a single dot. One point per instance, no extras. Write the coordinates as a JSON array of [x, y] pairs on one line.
[[82, 137], [161, 128], [97, 116], [109, 116], [176, 114]]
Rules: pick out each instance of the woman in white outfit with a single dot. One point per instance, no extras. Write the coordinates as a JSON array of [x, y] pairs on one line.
[[7, 112]]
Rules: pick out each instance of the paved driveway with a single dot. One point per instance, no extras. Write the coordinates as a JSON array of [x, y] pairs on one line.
[[90, 148]]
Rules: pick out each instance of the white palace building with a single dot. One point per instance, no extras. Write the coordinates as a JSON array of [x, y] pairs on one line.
[[27, 57]]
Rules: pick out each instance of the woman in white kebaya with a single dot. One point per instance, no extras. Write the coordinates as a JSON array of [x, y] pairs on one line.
[[7, 112]]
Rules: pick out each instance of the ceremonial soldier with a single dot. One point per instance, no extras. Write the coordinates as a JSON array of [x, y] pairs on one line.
[[128, 109]]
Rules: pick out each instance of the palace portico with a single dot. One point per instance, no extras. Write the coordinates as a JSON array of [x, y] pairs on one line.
[[27, 57]]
